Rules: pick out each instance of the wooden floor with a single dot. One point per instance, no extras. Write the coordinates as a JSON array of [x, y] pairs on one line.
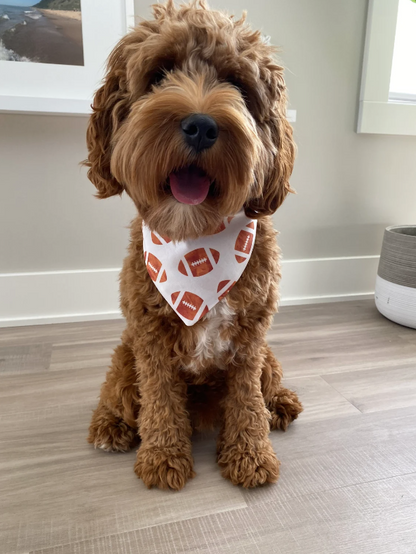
[[348, 474]]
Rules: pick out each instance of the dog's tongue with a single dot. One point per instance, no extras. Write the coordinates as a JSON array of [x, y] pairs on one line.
[[189, 185]]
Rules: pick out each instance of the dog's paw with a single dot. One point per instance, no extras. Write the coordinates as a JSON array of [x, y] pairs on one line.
[[110, 433], [284, 407], [249, 466], [168, 468]]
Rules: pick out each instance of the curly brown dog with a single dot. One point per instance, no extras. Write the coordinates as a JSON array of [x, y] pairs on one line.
[[167, 378]]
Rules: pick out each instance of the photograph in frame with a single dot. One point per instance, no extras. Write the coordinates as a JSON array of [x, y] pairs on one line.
[[54, 59], [49, 31]]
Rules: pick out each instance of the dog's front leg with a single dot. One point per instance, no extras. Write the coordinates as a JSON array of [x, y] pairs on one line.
[[245, 453], [164, 458]]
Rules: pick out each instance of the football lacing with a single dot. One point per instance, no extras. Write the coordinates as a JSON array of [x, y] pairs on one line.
[[188, 305], [245, 244], [151, 267], [198, 262]]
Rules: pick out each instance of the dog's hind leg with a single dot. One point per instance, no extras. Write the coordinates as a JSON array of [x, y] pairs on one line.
[[283, 404], [113, 426]]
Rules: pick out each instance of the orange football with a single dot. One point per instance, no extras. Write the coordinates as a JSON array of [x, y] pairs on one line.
[[243, 244], [198, 262], [189, 305], [225, 287], [153, 267], [159, 239], [220, 228]]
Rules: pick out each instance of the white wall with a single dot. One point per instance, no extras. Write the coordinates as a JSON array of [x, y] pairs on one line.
[[349, 186]]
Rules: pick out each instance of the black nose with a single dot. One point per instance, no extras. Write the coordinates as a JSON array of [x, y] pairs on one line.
[[200, 131]]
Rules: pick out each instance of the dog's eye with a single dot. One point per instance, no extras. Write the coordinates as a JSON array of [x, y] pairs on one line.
[[244, 90], [252, 95], [237, 84], [156, 76], [246, 93]]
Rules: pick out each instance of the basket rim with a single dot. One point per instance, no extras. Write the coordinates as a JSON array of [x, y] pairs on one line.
[[401, 230]]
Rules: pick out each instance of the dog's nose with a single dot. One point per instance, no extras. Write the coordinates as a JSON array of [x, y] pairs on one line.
[[200, 131]]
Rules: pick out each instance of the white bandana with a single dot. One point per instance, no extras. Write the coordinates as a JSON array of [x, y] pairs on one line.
[[194, 275]]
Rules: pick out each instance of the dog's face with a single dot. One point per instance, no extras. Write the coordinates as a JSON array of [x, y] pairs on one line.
[[191, 123]]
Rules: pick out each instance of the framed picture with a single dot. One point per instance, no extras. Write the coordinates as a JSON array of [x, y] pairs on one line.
[[53, 52]]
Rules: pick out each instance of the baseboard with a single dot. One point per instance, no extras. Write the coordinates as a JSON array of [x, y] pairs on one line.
[[324, 299], [58, 296], [306, 281], [87, 295]]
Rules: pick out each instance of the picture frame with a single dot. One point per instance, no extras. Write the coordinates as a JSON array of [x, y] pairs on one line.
[[58, 89]]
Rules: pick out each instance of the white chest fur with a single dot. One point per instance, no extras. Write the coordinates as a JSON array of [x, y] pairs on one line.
[[209, 345]]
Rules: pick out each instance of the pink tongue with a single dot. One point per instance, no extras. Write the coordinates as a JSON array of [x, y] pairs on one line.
[[189, 185]]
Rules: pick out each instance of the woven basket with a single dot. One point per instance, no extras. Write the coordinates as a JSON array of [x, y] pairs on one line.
[[396, 276]]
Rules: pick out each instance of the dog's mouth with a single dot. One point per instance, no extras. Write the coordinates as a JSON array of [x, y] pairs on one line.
[[190, 185]]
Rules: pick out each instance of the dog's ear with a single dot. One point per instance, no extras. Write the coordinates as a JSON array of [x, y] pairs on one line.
[[110, 106], [276, 177]]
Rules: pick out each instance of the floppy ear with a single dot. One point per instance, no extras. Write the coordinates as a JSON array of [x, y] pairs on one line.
[[110, 106], [276, 177]]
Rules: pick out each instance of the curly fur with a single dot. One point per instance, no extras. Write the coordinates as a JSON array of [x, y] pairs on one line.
[[163, 381]]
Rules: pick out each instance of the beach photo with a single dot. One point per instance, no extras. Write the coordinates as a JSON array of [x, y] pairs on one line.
[[49, 31]]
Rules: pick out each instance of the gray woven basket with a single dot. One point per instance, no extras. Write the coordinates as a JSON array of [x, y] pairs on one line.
[[396, 277]]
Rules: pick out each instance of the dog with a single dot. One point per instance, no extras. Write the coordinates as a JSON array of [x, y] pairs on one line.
[[194, 101]]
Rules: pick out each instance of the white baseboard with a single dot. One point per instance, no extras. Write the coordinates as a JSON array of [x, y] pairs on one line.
[[313, 280], [58, 296], [87, 295], [325, 299]]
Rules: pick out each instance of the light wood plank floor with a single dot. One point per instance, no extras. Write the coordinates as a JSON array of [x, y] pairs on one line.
[[348, 474]]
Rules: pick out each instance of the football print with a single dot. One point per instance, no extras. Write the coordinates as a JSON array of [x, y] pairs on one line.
[[220, 228], [159, 239], [218, 260], [243, 245], [154, 266], [224, 288], [224, 224], [189, 305], [198, 262]]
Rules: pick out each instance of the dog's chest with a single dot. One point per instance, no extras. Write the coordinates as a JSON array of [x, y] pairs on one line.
[[210, 345]]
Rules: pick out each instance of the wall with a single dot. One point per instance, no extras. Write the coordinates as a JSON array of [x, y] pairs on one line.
[[349, 186]]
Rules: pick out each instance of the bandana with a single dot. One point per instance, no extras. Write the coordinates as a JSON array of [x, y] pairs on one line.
[[194, 275]]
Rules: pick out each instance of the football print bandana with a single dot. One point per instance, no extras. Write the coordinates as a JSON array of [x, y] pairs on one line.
[[194, 275]]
